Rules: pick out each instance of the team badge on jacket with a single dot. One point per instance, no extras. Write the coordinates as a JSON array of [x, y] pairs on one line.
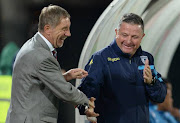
[[143, 58]]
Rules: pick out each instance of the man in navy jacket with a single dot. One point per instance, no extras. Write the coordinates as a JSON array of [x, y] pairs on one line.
[[122, 77]]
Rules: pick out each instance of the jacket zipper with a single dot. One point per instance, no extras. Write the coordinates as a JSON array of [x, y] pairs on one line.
[[130, 61]]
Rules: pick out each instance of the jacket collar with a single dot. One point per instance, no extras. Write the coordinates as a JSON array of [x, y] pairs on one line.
[[47, 42], [41, 42], [119, 52]]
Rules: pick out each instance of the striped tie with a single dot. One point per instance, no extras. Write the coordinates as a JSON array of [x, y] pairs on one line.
[[54, 53]]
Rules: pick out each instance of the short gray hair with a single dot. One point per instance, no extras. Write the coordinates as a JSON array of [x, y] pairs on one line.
[[133, 19], [51, 15]]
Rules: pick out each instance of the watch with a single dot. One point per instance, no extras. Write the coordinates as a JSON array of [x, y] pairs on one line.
[[153, 81]]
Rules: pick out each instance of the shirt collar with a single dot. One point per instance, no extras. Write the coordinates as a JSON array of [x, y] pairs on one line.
[[47, 42]]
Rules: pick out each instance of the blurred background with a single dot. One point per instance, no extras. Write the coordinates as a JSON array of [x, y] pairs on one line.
[[92, 28]]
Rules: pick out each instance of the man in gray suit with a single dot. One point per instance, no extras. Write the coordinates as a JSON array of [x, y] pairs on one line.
[[37, 81]]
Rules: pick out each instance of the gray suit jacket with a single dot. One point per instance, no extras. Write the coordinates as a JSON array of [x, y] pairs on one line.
[[37, 85]]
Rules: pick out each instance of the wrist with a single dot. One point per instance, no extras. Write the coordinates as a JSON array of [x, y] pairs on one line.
[[153, 81], [66, 77]]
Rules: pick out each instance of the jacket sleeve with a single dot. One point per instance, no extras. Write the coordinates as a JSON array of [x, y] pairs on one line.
[[157, 92], [49, 74], [92, 83]]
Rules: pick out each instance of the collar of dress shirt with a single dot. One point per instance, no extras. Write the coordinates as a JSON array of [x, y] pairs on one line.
[[47, 42]]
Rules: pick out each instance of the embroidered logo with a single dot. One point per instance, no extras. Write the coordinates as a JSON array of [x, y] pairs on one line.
[[143, 58], [113, 59], [91, 62]]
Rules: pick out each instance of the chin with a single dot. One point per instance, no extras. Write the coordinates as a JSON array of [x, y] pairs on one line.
[[60, 46], [127, 51]]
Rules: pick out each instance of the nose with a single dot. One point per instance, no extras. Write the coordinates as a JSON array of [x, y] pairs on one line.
[[68, 33], [129, 39]]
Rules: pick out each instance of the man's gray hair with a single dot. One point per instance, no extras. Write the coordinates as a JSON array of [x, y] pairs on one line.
[[51, 15], [133, 19]]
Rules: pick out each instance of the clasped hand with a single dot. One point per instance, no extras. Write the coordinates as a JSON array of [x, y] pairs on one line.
[[90, 114]]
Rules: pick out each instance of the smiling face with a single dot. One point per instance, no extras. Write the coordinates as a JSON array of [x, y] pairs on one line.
[[57, 35], [128, 37]]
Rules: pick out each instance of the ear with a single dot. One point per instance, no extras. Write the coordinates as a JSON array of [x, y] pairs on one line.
[[47, 29], [117, 33], [116, 30], [143, 35]]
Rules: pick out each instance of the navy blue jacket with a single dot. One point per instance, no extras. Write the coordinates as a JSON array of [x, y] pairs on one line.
[[116, 81]]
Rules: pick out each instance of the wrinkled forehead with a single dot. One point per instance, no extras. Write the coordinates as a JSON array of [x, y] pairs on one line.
[[130, 26], [131, 23]]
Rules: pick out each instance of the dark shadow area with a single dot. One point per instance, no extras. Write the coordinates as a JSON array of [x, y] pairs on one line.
[[173, 76]]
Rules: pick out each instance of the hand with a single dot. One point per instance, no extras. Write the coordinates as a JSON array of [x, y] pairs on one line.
[[147, 74], [76, 73], [90, 114]]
